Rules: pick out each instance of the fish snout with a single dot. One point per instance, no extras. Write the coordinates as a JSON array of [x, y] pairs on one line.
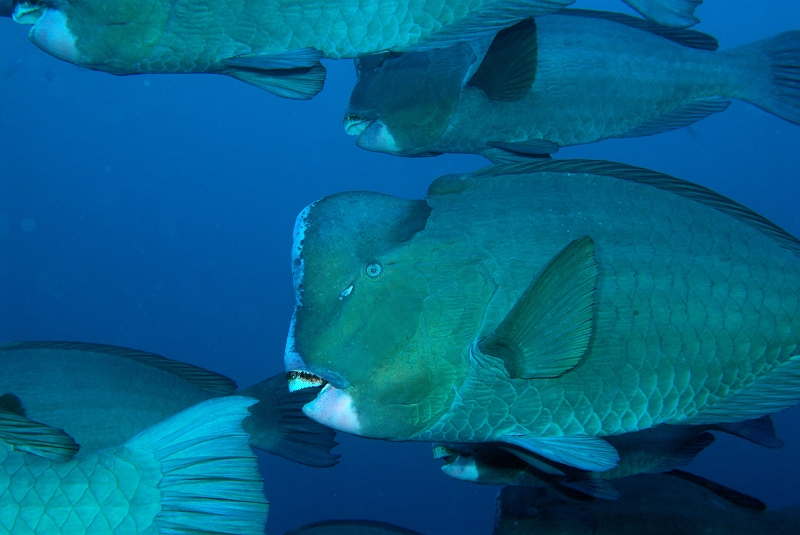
[[334, 408], [375, 136], [49, 31]]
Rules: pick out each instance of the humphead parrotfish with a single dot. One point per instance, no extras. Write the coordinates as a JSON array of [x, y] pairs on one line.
[[546, 305], [656, 504], [103, 395], [274, 45], [566, 79], [192, 473], [350, 527], [655, 450]]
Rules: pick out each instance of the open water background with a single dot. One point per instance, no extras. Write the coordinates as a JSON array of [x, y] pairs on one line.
[[156, 212]]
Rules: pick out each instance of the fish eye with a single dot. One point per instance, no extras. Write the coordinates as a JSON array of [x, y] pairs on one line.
[[374, 270]]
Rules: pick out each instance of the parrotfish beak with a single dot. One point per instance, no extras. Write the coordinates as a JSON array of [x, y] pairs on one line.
[[49, 32], [462, 468], [373, 134], [333, 407]]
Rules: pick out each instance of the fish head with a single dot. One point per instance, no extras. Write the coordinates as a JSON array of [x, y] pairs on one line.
[[403, 102], [111, 36], [359, 293]]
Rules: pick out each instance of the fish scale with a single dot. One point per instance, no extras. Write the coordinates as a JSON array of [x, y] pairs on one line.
[[708, 230], [693, 317], [81, 495]]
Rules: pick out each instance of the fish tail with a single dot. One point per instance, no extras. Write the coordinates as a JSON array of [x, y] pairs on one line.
[[774, 64], [209, 475], [277, 424]]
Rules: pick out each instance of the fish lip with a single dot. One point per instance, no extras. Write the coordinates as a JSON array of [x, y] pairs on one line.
[[354, 124]]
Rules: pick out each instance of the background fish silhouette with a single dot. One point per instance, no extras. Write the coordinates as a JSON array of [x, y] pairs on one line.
[[273, 45], [543, 305], [655, 450], [566, 79], [102, 395], [657, 504]]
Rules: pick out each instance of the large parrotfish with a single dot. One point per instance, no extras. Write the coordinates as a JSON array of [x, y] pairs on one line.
[[272, 44], [655, 450], [656, 504], [102, 395], [544, 305], [192, 473], [566, 79]]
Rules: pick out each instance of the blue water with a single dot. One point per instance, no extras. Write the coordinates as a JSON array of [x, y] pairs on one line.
[[156, 212]]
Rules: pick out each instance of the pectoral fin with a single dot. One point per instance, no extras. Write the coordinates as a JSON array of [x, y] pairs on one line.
[[297, 74], [508, 68], [581, 451], [33, 437], [547, 331]]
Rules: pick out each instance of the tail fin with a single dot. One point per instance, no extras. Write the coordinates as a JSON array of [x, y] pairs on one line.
[[210, 481], [277, 424], [776, 61]]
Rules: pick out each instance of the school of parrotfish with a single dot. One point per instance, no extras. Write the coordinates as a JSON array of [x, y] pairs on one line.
[[573, 330]]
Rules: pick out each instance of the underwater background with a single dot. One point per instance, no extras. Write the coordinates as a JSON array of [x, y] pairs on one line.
[[156, 212]]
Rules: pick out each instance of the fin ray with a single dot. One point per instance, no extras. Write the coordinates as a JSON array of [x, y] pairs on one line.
[[203, 379], [277, 424], [581, 451], [679, 117], [547, 331], [655, 179], [508, 68]]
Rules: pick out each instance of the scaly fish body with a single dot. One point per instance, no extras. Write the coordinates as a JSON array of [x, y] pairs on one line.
[[254, 40], [157, 482], [103, 395], [561, 80], [485, 314]]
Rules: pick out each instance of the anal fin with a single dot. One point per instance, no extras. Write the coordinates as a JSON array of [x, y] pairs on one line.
[[678, 117]]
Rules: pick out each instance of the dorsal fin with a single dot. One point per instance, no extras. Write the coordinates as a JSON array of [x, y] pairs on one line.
[[733, 496], [688, 38], [203, 379], [508, 68], [661, 181]]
